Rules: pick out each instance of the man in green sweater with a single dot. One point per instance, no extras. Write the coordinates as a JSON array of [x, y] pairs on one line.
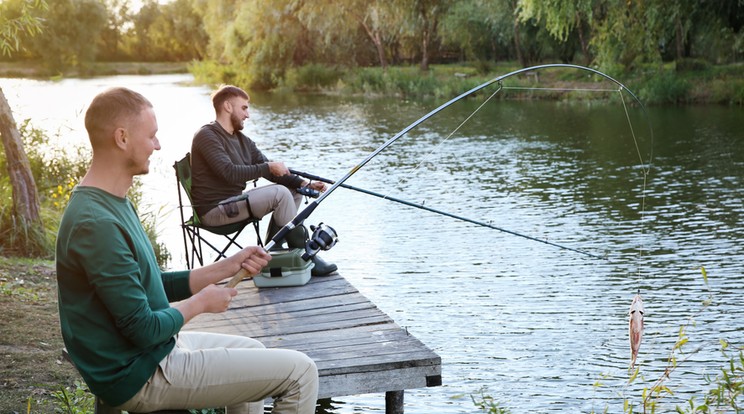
[[114, 301]]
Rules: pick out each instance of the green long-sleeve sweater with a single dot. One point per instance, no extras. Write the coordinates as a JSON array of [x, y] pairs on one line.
[[114, 309]]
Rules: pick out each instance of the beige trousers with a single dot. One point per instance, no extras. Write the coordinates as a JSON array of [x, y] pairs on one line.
[[207, 370], [263, 200]]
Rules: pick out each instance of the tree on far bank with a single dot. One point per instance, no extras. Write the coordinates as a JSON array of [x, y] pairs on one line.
[[64, 44], [425, 17], [377, 19], [562, 19]]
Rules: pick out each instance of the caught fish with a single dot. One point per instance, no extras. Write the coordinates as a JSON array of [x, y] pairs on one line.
[[635, 327]]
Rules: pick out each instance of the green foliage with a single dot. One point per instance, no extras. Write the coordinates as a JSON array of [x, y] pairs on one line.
[[560, 17], [62, 45], [726, 91], [480, 30], [19, 237], [56, 171], [690, 64], [74, 400], [665, 87], [267, 39], [149, 219], [486, 403], [172, 31], [213, 72], [727, 387], [411, 82], [293, 45], [312, 77], [16, 18]]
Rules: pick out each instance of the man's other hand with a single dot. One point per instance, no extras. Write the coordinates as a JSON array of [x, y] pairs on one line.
[[253, 259]]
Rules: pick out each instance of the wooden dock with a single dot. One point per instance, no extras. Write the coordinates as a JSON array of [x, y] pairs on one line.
[[358, 349]]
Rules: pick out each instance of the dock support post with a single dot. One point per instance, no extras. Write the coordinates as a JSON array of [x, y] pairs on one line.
[[394, 402]]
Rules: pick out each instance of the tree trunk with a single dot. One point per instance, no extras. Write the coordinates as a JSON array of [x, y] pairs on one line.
[[582, 40], [679, 39], [25, 195], [380, 51], [425, 51], [518, 42], [376, 39]]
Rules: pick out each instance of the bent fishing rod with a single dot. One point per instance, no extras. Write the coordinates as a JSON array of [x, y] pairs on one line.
[[440, 212], [307, 211]]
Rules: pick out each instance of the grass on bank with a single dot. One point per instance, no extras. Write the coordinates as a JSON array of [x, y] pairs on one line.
[[671, 83], [56, 172], [25, 69]]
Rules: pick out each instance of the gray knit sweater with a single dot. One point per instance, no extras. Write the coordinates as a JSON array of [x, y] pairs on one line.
[[222, 164]]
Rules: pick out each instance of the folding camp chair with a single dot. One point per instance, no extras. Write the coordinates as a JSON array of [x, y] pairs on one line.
[[192, 237]]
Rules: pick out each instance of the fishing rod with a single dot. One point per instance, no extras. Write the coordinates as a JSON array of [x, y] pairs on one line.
[[305, 213], [443, 213]]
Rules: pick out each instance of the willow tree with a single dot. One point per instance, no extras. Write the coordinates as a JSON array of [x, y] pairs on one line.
[[216, 17], [425, 17], [62, 45], [337, 21], [267, 38], [14, 22], [561, 18]]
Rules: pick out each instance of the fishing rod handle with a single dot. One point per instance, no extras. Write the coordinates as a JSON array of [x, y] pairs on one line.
[[242, 273], [311, 176]]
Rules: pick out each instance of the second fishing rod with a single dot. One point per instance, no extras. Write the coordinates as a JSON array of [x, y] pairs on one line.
[[443, 213], [305, 213]]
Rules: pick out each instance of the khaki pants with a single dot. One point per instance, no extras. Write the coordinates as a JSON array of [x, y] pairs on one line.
[[208, 370], [263, 200]]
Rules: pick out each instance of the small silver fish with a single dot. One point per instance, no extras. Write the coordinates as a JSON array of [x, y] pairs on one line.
[[635, 327]]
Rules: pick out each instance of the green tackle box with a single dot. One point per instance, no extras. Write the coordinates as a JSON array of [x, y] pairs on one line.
[[286, 268]]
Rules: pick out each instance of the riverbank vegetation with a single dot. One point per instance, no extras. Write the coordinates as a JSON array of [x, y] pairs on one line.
[[687, 52], [55, 172]]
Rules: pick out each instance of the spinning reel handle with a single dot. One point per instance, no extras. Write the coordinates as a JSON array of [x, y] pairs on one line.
[[308, 192], [323, 238]]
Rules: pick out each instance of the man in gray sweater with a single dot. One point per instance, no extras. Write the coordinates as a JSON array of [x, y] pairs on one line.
[[223, 160]]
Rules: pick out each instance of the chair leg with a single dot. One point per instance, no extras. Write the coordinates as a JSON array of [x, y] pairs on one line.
[[231, 242], [184, 231], [259, 241]]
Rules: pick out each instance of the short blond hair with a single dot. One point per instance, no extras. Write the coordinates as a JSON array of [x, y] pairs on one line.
[[109, 109]]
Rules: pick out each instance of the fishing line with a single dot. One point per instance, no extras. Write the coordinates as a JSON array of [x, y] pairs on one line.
[[472, 114], [645, 170], [531, 88]]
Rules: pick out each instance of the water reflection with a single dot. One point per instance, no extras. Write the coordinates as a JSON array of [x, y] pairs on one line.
[[535, 325]]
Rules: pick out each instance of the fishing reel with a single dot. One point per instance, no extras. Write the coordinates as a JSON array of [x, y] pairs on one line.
[[308, 192], [323, 238]]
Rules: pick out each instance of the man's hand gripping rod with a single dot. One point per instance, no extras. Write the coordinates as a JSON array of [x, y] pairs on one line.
[[297, 221]]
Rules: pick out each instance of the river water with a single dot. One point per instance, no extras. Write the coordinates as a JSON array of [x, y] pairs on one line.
[[536, 327]]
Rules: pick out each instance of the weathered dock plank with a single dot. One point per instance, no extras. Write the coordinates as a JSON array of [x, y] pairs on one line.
[[358, 348]]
